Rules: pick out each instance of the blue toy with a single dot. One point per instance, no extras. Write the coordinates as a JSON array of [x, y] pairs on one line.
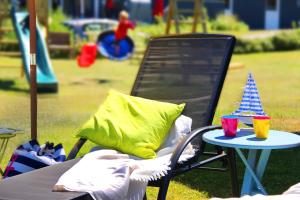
[[107, 46]]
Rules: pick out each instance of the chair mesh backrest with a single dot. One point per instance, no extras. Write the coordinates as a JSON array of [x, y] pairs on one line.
[[186, 68]]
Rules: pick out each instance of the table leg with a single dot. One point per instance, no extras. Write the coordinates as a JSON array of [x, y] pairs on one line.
[[4, 141], [250, 175], [2, 151], [262, 163], [248, 181], [3, 148]]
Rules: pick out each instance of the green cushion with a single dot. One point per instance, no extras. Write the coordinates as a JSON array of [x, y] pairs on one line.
[[132, 125]]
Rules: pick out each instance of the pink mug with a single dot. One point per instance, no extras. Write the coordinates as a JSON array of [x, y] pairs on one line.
[[229, 125]]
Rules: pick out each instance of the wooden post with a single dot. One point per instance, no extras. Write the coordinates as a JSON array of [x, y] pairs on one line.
[[33, 85], [198, 14], [176, 16], [42, 15], [203, 18], [170, 17], [197, 11]]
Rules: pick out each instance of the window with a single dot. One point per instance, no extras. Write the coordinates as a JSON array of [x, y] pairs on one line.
[[271, 4]]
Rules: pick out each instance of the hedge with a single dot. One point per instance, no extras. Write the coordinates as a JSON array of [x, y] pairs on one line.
[[280, 42], [228, 23]]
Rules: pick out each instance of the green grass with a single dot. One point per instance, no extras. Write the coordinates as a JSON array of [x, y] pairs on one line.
[[81, 91]]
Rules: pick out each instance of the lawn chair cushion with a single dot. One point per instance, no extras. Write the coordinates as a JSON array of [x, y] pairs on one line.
[[132, 125]]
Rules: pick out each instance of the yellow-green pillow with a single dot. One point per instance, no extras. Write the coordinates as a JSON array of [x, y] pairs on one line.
[[132, 125]]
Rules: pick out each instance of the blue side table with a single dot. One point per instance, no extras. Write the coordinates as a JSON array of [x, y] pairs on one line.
[[246, 139]]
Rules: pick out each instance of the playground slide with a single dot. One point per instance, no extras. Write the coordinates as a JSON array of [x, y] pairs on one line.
[[46, 80]]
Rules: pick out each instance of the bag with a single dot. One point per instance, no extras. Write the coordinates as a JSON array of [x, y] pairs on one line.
[[30, 156]]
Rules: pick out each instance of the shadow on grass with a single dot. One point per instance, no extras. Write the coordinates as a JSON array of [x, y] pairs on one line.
[[99, 81], [281, 173], [90, 80], [103, 81], [215, 184], [9, 85]]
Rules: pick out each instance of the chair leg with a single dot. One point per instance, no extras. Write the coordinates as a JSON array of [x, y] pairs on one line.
[[163, 189], [233, 172], [219, 151], [224, 160]]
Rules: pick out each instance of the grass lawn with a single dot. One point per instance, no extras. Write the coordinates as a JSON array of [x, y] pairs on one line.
[[81, 91]]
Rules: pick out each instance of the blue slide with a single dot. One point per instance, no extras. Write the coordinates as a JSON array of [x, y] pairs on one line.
[[46, 80]]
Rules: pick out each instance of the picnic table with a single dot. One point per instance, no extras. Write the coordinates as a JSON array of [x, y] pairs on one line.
[[246, 139]]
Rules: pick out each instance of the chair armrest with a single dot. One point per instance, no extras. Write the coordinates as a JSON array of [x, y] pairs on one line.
[[76, 148], [181, 146]]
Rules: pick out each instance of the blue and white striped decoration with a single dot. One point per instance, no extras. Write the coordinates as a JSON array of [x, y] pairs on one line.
[[30, 156], [250, 101]]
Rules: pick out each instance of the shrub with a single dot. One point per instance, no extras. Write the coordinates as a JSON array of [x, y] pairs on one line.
[[280, 42], [294, 25], [247, 46], [287, 41], [267, 44], [241, 46], [56, 19], [228, 23]]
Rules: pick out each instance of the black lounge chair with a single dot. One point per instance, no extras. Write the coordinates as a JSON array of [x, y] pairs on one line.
[[187, 68]]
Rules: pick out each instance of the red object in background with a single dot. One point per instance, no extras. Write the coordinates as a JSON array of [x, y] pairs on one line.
[[121, 31], [158, 8], [87, 56], [109, 4]]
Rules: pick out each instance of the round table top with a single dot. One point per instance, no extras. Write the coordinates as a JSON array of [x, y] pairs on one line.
[[7, 133], [246, 139]]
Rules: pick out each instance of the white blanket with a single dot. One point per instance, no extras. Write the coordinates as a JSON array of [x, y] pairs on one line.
[[109, 175]]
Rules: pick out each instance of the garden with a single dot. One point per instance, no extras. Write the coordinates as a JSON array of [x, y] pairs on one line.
[[271, 56], [60, 115]]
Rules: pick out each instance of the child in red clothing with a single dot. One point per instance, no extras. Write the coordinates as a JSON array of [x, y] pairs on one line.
[[122, 28]]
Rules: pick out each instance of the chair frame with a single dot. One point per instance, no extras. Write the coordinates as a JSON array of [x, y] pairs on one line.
[[227, 158], [37, 184]]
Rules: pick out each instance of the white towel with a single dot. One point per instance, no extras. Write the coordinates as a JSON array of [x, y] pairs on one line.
[[111, 175]]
